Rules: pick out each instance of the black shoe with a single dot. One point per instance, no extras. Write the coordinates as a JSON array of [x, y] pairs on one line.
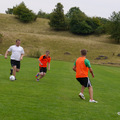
[[11, 71]]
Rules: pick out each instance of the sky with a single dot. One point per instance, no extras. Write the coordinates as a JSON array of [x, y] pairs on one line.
[[92, 8]]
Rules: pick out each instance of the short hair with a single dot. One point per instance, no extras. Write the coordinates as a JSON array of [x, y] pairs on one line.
[[48, 51], [83, 52], [17, 40]]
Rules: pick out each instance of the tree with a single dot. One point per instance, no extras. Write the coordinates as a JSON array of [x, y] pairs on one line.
[[42, 14], [23, 13], [78, 24], [75, 10], [114, 26], [79, 27], [102, 29], [57, 19], [96, 25], [93, 22], [9, 11]]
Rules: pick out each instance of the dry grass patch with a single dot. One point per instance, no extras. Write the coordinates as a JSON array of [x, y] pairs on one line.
[[38, 36]]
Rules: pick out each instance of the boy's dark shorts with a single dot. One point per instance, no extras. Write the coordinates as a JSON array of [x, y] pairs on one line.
[[15, 63], [43, 69], [84, 81]]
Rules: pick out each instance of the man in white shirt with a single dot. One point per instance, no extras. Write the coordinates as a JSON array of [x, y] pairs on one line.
[[16, 57]]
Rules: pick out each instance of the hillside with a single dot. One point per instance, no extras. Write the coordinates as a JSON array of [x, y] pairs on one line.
[[38, 37]]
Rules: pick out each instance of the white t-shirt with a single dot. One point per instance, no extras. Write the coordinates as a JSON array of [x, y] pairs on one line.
[[16, 52]]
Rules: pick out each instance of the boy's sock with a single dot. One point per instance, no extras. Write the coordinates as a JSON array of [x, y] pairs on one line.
[[11, 71], [37, 75]]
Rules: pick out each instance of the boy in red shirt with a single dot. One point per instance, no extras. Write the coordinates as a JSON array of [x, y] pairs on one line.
[[43, 60]]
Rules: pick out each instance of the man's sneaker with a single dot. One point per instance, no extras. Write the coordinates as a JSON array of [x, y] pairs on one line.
[[11, 71], [93, 101], [37, 75], [37, 79], [82, 96]]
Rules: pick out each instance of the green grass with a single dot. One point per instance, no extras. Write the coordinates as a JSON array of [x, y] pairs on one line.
[[55, 97], [38, 36]]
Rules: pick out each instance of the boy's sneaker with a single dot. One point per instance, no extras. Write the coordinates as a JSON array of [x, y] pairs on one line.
[[82, 96], [11, 71], [93, 101], [37, 75], [37, 79]]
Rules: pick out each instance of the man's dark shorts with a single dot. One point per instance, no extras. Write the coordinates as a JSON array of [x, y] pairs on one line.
[[84, 81], [15, 63], [43, 69]]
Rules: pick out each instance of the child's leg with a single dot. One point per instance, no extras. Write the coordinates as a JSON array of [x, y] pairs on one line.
[[42, 74], [37, 74]]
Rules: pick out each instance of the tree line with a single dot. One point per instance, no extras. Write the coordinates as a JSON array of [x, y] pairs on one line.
[[74, 20]]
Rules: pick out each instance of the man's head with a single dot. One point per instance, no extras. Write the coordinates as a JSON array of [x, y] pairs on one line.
[[17, 42], [83, 52], [47, 53]]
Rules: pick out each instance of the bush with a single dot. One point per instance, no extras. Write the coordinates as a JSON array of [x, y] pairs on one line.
[[79, 26], [27, 17], [42, 14], [100, 30], [24, 14], [9, 11]]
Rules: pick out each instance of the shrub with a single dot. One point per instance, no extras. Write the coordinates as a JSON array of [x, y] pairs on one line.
[[79, 26], [9, 11], [24, 14], [27, 17], [100, 30]]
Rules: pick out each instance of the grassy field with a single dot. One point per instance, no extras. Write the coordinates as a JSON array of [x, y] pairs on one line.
[[55, 97], [38, 37]]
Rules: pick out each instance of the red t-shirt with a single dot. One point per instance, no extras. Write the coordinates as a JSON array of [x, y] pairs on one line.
[[44, 60]]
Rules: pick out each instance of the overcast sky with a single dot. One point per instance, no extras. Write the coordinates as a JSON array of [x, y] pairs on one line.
[[99, 8]]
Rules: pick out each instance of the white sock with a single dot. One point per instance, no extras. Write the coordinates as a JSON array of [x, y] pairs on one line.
[[80, 93]]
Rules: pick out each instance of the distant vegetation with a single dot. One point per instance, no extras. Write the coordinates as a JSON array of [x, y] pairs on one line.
[[23, 13], [37, 37], [114, 26], [42, 14], [74, 20], [57, 19]]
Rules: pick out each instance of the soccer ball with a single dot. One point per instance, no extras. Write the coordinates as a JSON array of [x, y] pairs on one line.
[[12, 77]]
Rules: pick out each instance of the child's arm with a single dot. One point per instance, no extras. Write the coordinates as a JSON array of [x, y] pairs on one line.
[[40, 62], [48, 66]]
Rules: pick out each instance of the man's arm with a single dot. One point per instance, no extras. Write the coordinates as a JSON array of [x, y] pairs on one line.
[[21, 56], [74, 68], [91, 71], [6, 53]]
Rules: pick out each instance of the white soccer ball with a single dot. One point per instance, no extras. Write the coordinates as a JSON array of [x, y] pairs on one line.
[[12, 77]]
